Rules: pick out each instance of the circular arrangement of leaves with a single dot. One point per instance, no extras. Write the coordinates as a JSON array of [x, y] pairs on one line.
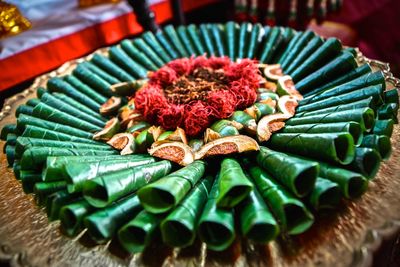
[[214, 132]]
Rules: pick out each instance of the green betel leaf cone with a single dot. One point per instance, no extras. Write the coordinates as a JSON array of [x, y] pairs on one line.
[[293, 216], [105, 189], [139, 232], [216, 226], [233, 184], [298, 175], [256, 221], [103, 224], [180, 226], [164, 194]]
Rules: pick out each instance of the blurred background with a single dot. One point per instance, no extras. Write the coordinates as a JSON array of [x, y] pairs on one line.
[[39, 36]]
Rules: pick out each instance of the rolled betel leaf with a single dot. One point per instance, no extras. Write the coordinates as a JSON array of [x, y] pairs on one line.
[[103, 224], [354, 74], [291, 213], [216, 36], [23, 143], [351, 184], [47, 112], [233, 184], [35, 157], [351, 127], [311, 46], [55, 166], [179, 228], [391, 96], [77, 173], [366, 161], [72, 216], [99, 72], [43, 133], [381, 143], [225, 128], [374, 91], [296, 174], [184, 37], [109, 187], [107, 65], [169, 31], [243, 39], [84, 89], [368, 79], [206, 37], [268, 48], [256, 220], [166, 44], [299, 45], [56, 201], [388, 111], [16, 169], [289, 47], [94, 80], [195, 39], [342, 64], [151, 40], [333, 147], [255, 38], [10, 154], [56, 84], [23, 109], [29, 179], [139, 232], [216, 226], [164, 194], [72, 102], [325, 195], [32, 102], [364, 116], [383, 127], [330, 49], [368, 102], [7, 129], [230, 38], [60, 105], [134, 53], [119, 57], [245, 119], [42, 190]]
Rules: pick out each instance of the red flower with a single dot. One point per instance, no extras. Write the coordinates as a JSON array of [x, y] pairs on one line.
[[233, 87]]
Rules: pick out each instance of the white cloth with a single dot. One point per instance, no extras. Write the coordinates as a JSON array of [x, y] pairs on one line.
[[52, 19]]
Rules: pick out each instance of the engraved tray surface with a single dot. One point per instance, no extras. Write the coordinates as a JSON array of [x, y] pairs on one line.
[[346, 237]]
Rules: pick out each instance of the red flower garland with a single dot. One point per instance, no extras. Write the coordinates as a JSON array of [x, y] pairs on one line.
[[195, 115]]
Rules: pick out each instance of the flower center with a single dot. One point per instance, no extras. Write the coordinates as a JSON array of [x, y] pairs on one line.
[[196, 86]]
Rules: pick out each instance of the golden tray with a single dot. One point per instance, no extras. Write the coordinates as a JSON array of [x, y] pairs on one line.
[[347, 237]]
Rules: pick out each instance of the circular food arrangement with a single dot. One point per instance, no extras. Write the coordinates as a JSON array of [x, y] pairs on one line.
[[211, 132]]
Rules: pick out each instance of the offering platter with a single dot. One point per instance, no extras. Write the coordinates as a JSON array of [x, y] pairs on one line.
[[346, 236]]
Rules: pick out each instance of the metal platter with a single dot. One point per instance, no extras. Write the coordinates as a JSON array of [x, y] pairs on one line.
[[345, 237]]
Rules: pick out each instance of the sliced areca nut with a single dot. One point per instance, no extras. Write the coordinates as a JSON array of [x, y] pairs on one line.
[[224, 128], [273, 72], [128, 109], [267, 96], [164, 135], [287, 104], [132, 120], [127, 88], [178, 135], [111, 106], [253, 111], [270, 124], [125, 142], [155, 131], [245, 119], [227, 145], [110, 129], [177, 152], [210, 135], [286, 87]]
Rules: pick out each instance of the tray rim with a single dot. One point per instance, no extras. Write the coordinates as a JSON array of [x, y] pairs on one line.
[[362, 256]]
